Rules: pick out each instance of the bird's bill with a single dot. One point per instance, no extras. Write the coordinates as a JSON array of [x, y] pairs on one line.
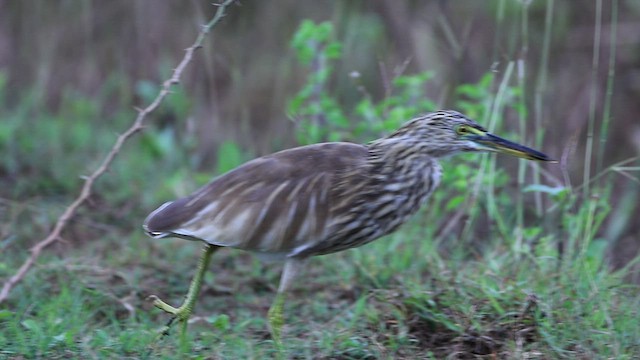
[[494, 143]]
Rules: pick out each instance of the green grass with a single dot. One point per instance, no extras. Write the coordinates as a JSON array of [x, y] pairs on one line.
[[396, 298]]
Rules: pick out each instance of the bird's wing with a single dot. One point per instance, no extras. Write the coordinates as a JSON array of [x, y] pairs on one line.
[[272, 204]]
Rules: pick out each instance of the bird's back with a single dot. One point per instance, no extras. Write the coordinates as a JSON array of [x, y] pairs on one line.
[[279, 204]]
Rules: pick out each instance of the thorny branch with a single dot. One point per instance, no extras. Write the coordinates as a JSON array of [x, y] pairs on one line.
[[137, 125]]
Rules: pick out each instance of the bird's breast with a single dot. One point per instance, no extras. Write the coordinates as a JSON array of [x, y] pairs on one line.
[[405, 195], [376, 207]]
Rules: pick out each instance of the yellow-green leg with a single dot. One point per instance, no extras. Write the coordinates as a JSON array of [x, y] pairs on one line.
[[182, 313], [276, 318]]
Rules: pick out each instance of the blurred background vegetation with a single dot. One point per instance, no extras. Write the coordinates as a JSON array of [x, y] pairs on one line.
[[71, 74], [561, 76]]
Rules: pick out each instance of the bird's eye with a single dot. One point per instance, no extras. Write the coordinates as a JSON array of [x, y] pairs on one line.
[[462, 130]]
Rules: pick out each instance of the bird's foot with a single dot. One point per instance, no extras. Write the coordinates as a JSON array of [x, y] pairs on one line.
[[181, 314], [163, 305]]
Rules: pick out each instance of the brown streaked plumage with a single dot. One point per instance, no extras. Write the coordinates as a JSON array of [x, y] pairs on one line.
[[322, 198]]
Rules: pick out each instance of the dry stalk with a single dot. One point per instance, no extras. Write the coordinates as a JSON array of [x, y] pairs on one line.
[[137, 125]]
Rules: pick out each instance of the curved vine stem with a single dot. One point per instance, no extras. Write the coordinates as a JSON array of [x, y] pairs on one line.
[[135, 127]]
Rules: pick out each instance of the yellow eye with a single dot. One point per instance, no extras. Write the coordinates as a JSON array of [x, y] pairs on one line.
[[462, 130]]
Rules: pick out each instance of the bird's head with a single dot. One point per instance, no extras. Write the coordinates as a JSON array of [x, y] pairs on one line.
[[447, 132]]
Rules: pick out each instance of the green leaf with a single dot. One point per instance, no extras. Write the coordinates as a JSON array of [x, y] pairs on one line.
[[220, 322], [531, 232], [31, 325], [333, 50], [5, 314], [229, 156], [60, 338], [551, 190], [470, 90], [454, 202]]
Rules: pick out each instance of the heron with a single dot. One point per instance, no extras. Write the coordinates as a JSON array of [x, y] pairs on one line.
[[320, 199]]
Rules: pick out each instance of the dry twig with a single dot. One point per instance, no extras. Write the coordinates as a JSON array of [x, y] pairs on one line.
[[137, 125]]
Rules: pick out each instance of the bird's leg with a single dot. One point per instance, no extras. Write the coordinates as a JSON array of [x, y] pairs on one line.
[[183, 312], [276, 319]]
